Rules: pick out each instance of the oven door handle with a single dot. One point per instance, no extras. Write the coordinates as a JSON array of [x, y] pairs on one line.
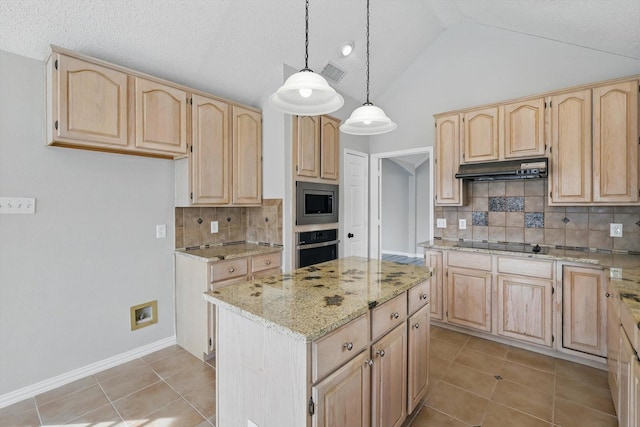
[[317, 245]]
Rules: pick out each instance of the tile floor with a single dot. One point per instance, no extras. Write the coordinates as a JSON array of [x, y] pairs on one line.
[[474, 382]]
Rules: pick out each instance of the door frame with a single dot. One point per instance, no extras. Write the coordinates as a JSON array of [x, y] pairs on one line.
[[343, 231], [375, 203]]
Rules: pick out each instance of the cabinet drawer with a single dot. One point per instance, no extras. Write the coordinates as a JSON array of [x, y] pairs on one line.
[[339, 346], [265, 262], [469, 260], [525, 267], [388, 315], [419, 296], [225, 270]]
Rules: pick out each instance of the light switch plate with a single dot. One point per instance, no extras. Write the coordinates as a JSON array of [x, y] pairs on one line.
[[441, 223], [462, 224], [615, 230], [615, 273], [17, 205], [161, 231]]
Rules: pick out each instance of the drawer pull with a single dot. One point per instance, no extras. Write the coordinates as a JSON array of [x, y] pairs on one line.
[[424, 296], [395, 315], [348, 346], [416, 325], [231, 270], [268, 262], [607, 295], [380, 353]]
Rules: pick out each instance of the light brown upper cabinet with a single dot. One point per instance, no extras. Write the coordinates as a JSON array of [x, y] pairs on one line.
[[480, 135], [87, 104], [447, 161], [522, 129], [161, 117], [594, 146], [247, 156], [317, 148]]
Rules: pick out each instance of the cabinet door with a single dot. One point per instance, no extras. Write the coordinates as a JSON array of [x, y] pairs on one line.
[[418, 352], [211, 326], [469, 298], [308, 146], [636, 392], [613, 350], [329, 148], [92, 102], [247, 157], [584, 310], [210, 163], [524, 309], [448, 188], [343, 398], [433, 261], [627, 382], [571, 148], [615, 143], [389, 382], [522, 130], [161, 117], [480, 135]]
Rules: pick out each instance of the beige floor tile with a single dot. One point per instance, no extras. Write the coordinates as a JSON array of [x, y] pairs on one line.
[[569, 414], [72, 405], [502, 416], [488, 347], [449, 335], [457, 403], [480, 361], [543, 382], [176, 414], [437, 367], [143, 402], [174, 363], [17, 408], [28, 418], [585, 394], [531, 359], [105, 416], [119, 386], [470, 380], [204, 400], [444, 349], [191, 379], [582, 373], [165, 352], [57, 393], [524, 399], [127, 368], [428, 417]]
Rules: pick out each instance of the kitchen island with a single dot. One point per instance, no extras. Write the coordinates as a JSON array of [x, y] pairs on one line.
[[287, 343]]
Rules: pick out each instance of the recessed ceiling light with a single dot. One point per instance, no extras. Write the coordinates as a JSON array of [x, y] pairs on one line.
[[347, 49]]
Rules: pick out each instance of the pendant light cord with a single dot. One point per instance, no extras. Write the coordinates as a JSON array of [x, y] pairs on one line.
[[306, 38], [367, 103]]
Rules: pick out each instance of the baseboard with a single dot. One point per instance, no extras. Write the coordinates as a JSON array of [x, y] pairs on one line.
[[407, 254], [71, 376]]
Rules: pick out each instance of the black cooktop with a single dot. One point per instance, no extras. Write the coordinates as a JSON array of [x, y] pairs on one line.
[[505, 246]]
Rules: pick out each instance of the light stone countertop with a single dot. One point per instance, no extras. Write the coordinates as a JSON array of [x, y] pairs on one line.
[[628, 282], [310, 302], [222, 252]]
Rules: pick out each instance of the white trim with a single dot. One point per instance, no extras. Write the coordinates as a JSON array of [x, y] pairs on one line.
[[71, 376], [407, 254]]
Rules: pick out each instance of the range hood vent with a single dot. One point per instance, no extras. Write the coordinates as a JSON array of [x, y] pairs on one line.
[[504, 171]]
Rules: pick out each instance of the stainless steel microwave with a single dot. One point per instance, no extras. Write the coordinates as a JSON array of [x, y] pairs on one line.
[[316, 203]]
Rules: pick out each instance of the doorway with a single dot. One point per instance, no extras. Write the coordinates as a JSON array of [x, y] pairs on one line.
[[355, 200], [401, 203]]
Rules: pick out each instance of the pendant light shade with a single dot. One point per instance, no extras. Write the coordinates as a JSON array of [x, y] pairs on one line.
[[368, 119], [306, 93]]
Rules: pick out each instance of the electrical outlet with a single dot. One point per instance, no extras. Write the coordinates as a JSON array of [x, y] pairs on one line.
[[462, 224], [214, 227], [615, 230], [17, 205], [161, 231], [615, 273], [441, 223]]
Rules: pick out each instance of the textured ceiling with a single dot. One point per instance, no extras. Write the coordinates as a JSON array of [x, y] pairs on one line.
[[237, 48]]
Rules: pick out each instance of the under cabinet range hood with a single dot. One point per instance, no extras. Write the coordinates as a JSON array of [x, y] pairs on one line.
[[503, 171]]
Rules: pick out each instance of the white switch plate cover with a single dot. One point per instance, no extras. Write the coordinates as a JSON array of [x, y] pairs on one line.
[[17, 205], [214, 226], [462, 224], [441, 223], [615, 230], [161, 231], [615, 273]]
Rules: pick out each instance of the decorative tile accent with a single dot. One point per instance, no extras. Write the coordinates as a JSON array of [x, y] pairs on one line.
[[638, 223], [497, 204], [565, 220], [534, 219], [515, 204], [480, 218]]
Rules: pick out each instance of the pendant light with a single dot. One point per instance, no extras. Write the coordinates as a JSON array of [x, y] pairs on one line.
[[306, 93], [368, 119]]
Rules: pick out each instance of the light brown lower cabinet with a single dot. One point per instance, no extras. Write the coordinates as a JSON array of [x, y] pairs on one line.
[[613, 345], [419, 328], [433, 261], [469, 298], [389, 379], [627, 387]]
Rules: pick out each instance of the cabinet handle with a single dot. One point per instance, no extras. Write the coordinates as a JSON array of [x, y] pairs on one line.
[[348, 346], [416, 325], [231, 270], [380, 353], [268, 262], [424, 296], [369, 362], [607, 295], [395, 315]]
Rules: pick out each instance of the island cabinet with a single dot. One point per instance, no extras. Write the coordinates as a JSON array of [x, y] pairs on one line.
[[316, 148], [613, 343], [433, 261], [448, 189], [469, 290]]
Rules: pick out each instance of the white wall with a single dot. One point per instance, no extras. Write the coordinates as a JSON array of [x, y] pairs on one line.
[[69, 273], [471, 65], [395, 203]]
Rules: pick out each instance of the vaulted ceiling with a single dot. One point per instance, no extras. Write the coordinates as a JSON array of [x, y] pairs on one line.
[[239, 48]]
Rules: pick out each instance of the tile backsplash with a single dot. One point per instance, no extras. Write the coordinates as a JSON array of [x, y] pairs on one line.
[[518, 211], [261, 224]]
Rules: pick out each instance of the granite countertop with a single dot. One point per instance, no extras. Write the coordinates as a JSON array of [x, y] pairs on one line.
[[221, 252], [310, 302], [623, 269]]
